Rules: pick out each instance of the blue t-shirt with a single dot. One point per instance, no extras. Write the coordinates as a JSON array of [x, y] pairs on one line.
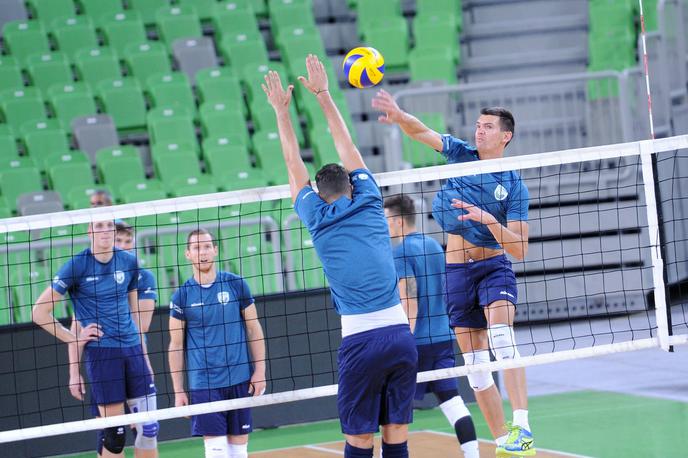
[[216, 345], [352, 240], [422, 257], [502, 194], [146, 286], [99, 293]]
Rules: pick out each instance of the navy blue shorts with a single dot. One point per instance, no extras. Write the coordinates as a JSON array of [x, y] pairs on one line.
[[433, 356], [232, 422], [377, 379], [116, 374], [472, 286]]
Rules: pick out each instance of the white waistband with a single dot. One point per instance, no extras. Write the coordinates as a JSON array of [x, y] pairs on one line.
[[353, 324]]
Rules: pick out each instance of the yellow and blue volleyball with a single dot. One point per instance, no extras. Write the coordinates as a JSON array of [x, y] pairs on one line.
[[364, 67]]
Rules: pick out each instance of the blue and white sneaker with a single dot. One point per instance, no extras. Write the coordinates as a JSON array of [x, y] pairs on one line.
[[519, 443]]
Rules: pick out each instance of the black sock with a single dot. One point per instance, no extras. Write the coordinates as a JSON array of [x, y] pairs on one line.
[[395, 450], [354, 452], [465, 429]]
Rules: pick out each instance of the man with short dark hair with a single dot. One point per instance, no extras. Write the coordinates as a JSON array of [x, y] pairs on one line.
[[420, 267], [100, 198], [486, 216], [214, 327], [377, 358]]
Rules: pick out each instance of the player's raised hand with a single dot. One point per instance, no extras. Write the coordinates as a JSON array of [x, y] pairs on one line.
[[257, 384], [317, 76], [473, 212], [383, 101], [88, 333], [277, 96], [77, 388]]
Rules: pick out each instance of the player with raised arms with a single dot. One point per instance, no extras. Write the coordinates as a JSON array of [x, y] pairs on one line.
[[377, 358], [486, 216], [214, 327]]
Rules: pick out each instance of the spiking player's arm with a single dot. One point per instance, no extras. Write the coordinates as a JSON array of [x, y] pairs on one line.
[[408, 292], [318, 85], [280, 99], [175, 356], [408, 123], [256, 346]]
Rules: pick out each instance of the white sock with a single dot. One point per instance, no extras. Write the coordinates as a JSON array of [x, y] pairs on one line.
[[238, 451], [501, 440], [521, 419], [470, 449]]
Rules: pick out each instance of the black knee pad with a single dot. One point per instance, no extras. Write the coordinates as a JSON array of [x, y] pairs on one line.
[[114, 439]]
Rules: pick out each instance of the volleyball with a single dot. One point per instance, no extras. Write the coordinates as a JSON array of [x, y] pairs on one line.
[[364, 67]]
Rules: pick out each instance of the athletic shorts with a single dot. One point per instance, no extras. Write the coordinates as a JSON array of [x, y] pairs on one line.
[[472, 286], [231, 422], [433, 356], [377, 379], [117, 374]]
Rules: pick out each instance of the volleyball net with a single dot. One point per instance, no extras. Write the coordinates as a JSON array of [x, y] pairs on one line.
[[607, 233]]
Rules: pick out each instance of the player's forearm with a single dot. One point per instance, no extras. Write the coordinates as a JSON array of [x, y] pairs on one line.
[[47, 321], [176, 360], [512, 242], [146, 310], [348, 153], [256, 346], [74, 352], [290, 150]]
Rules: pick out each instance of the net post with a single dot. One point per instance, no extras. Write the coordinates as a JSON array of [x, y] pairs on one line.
[[646, 152]]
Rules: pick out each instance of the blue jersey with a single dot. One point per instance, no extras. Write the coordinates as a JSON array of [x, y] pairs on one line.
[[501, 194], [99, 292], [422, 257], [351, 238], [216, 345], [146, 285]]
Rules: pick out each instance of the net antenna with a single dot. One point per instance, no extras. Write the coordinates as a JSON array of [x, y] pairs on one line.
[[646, 69]]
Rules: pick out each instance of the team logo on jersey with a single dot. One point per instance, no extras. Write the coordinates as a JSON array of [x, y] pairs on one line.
[[119, 276], [362, 176], [223, 297], [500, 192]]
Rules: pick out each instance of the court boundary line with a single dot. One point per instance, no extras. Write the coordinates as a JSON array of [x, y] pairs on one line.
[[571, 455]]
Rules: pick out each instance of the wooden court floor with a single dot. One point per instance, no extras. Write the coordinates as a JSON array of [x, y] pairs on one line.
[[422, 444]]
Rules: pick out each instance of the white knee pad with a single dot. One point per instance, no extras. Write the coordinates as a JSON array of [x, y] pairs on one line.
[[238, 450], [147, 432], [503, 341], [479, 381], [454, 409], [216, 447]]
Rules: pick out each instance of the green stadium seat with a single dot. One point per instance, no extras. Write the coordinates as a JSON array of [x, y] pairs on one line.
[[42, 137], [220, 85], [24, 38], [193, 186], [96, 65], [240, 50], [98, 10], [294, 53], [259, 7], [6, 311], [48, 10], [46, 70], [141, 191], [10, 74], [226, 157], [123, 100], [64, 177], [204, 8], [298, 31], [324, 151], [171, 124], [71, 101], [123, 29], [445, 8], [390, 35], [264, 119], [268, 152], [436, 32], [148, 8], [285, 14], [221, 119], [162, 148], [432, 66], [371, 10], [8, 146], [616, 53], [179, 21], [18, 177], [233, 180], [171, 89], [222, 141], [419, 154], [65, 157], [74, 33], [118, 165], [29, 280], [146, 59], [304, 263], [258, 265], [609, 18], [80, 196], [231, 18], [175, 165]]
